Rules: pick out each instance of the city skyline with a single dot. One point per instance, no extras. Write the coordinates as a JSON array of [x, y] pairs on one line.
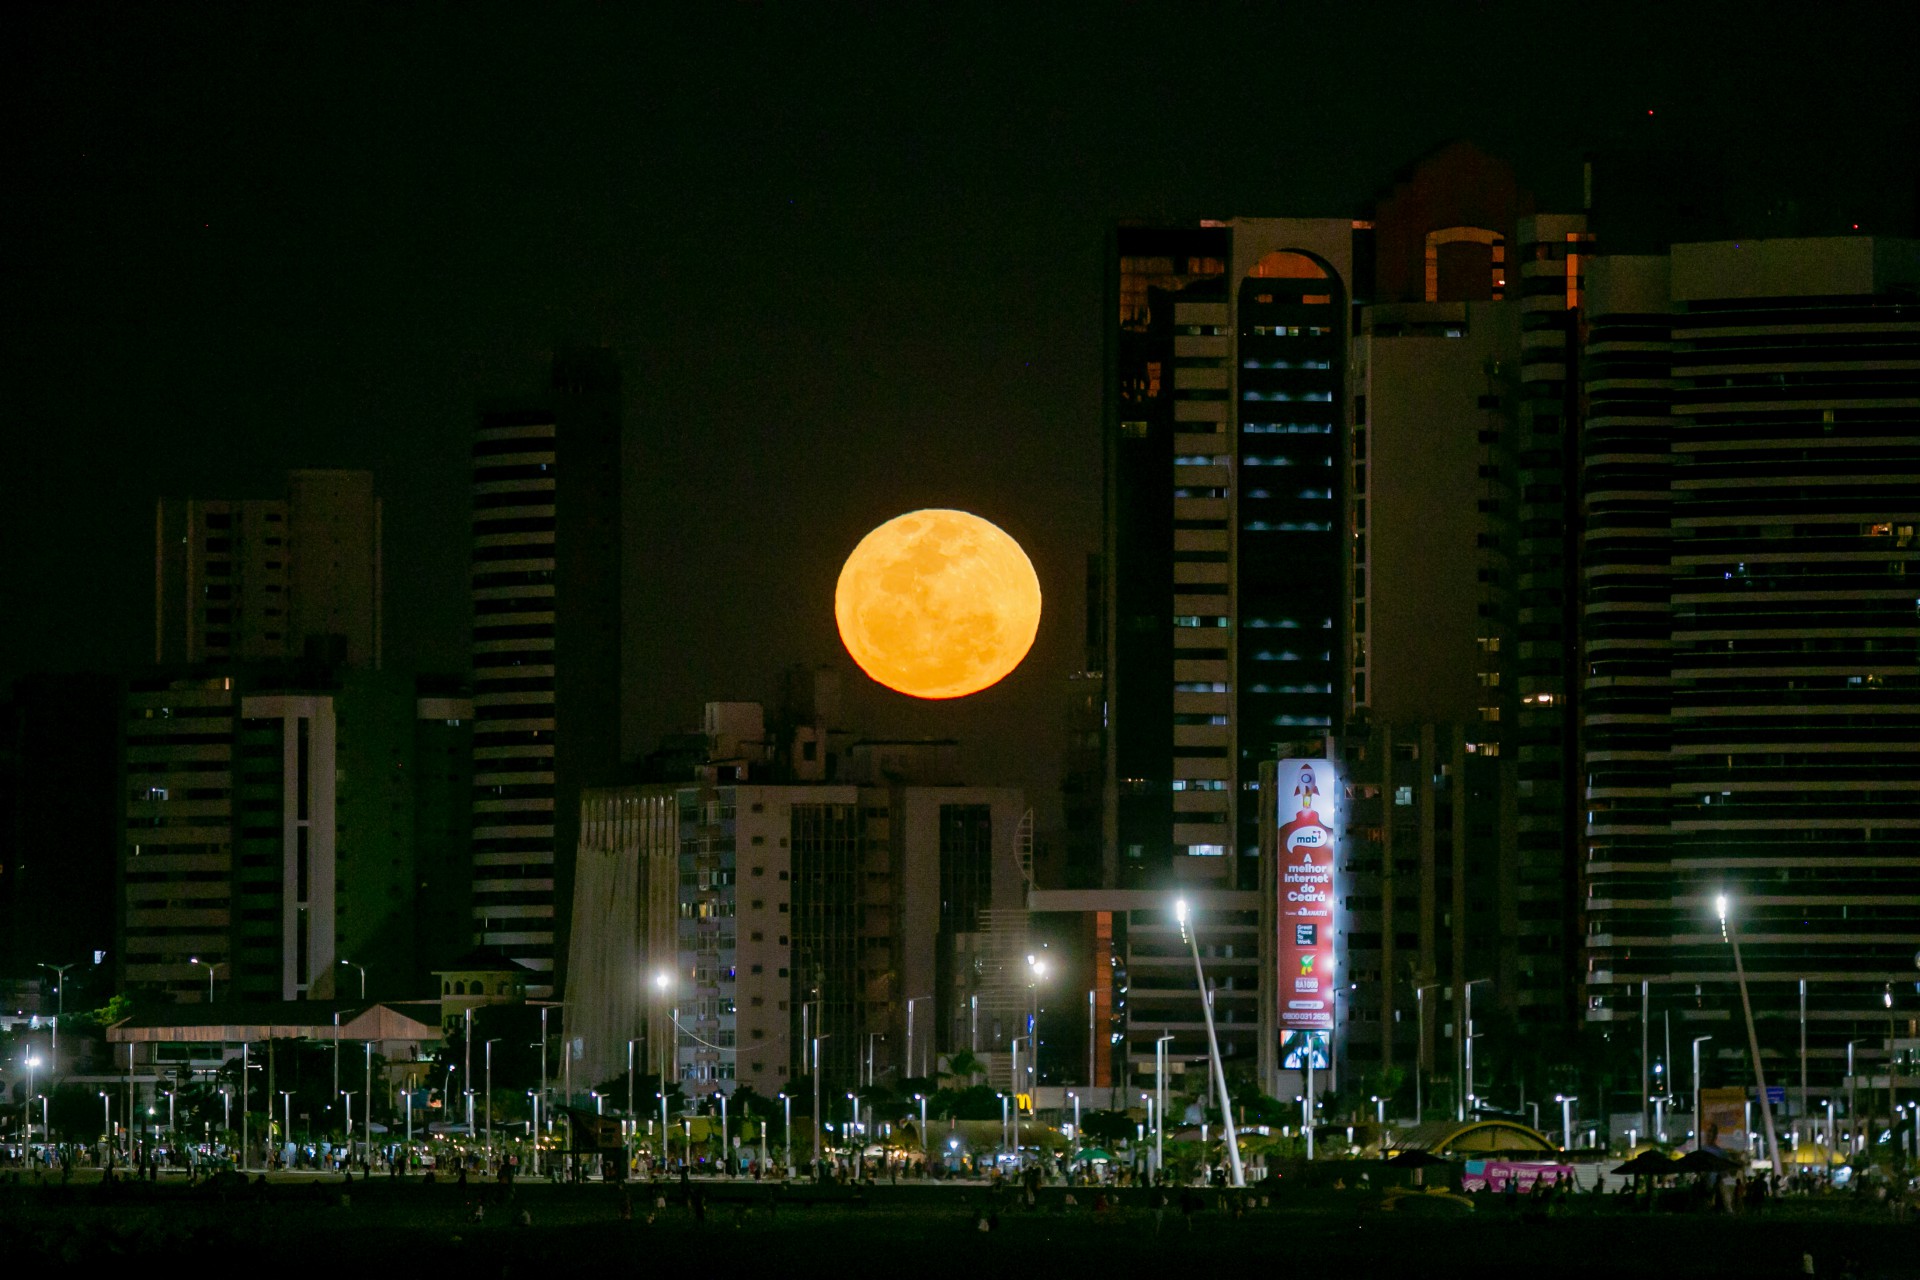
[[906, 279], [1476, 532]]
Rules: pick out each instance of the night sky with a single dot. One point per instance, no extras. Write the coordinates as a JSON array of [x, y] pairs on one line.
[[850, 260]]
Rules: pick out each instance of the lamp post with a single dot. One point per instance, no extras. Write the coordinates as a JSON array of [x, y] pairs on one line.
[[786, 1127], [1213, 1043], [1732, 936], [209, 966], [106, 1118], [913, 1063], [1893, 1118], [1036, 972], [348, 964], [60, 1011], [27, 1110], [1566, 1101], [286, 1111], [1699, 1129], [1466, 1046], [1420, 1050], [1853, 1107], [921, 1098], [1075, 1099], [487, 1056], [367, 1122], [1159, 1108]]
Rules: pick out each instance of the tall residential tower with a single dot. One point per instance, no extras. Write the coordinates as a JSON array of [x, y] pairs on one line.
[[546, 651]]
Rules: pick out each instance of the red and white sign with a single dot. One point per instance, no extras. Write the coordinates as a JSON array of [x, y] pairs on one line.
[[1306, 845]]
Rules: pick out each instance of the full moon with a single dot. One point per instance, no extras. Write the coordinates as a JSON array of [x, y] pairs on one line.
[[937, 604]]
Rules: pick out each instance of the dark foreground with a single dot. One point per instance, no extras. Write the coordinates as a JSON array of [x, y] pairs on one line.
[[407, 1229]]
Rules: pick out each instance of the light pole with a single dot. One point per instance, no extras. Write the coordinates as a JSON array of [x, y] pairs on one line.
[[170, 1097], [363, 976], [106, 1119], [209, 966], [786, 1127], [1699, 1129], [1893, 1117], [1159, 1108], [1732, 936], [1566, 1101], [921, 1098], [486, 1054], [1420, 1050], [1853, 1106], [1075, 1099], [60, 995], [1466, 1047], [913, 1063], [286, 1111], [1213, 1043], [27, 1110], [1036, 972]]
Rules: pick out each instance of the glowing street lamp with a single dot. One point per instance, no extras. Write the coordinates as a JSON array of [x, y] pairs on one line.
[[1732, 936], [210, 967], [32, 1062], [1213, 1043]]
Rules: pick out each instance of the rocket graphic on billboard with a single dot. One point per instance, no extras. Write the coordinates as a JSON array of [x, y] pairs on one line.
[[1306, 845]]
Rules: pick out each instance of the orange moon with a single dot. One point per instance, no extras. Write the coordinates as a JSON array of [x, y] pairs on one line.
[[937, 604]]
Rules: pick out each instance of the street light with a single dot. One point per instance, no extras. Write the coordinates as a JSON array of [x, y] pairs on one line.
[[1566, 1101], [1893, 1119], [913, 1063], [1213, 1042], [363, 975], [106, 1119], [27, 1111], [60, 994], [1420, 1050], [210, 967], [487, 1054], [1036, 972], [1732, 936], [1466, 1045]]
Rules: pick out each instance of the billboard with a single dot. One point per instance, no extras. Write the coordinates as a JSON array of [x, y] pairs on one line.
[[1305, 845], [1723, 1115]]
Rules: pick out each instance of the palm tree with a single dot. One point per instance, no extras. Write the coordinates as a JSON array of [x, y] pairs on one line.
[[962, 1066]]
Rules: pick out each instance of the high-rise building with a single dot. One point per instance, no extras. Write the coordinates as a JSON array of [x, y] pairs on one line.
[[1225, 624], [780, 913], [254, 580], [546, 651], [1752, 487], [1357, 530], [273, 827]]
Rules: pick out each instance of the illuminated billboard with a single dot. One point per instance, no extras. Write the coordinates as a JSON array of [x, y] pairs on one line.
[[1306, 843]]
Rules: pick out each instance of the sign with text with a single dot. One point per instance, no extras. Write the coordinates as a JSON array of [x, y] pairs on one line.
[[1305, 846]]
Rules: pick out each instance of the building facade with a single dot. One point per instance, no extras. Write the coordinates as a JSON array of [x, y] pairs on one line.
[[259, 580], [272, 819], [546, 651], [1224, 618], [726, 926], [1752, 472]]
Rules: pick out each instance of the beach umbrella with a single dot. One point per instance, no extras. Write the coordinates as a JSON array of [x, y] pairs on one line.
[[1647, 1162]]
